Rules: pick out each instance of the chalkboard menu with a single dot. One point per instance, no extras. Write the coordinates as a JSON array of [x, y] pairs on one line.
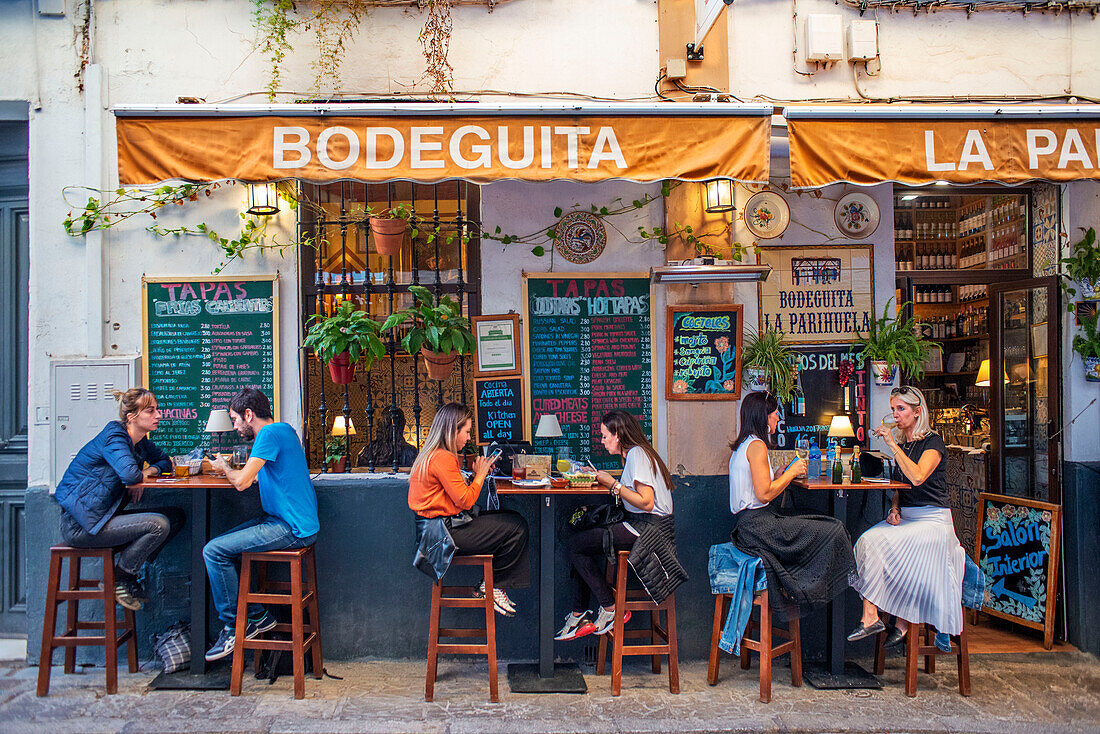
[[588, 340], [204, 340], [1017, 548], [499, 414], [821, 396], [703, 356]]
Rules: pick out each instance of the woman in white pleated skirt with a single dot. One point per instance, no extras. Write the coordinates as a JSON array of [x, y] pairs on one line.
[[911, 565]]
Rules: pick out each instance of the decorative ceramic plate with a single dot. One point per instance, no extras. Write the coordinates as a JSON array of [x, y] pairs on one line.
[[767, 215], [856, 215], [580, 237]]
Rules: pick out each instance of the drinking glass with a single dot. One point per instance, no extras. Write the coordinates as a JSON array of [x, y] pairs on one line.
[[802, 447], [563, 463], [182, 466]]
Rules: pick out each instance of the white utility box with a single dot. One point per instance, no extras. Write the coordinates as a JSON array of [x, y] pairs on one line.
[[862, 40], [824, 38], [81, 402]]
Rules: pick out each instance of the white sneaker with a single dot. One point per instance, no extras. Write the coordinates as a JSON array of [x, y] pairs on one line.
[[576, 625], [501, 603], [605, 620]]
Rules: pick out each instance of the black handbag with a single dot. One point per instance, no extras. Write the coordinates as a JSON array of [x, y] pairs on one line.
[[600, 516]]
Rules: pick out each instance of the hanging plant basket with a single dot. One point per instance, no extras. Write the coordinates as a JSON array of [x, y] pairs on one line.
[[439, 366], [389, 234], [884, 372], [341, 369]]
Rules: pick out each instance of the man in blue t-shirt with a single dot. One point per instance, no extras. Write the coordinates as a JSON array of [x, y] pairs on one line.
[[289, 501]]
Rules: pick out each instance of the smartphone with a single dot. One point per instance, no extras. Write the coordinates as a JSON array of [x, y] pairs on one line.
[[495, 455]]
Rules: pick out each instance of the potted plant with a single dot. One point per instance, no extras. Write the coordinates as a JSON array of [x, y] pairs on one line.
[[1083, 266], [469, 453], [769, 363], [346, 337], [439, 332], [1087, 344], [891, 343], [388, 227], [336, 457]]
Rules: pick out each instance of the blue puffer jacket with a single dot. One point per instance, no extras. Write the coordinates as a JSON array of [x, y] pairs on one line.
[[95, 482]]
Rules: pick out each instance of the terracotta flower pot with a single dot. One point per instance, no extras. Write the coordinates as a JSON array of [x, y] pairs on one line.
[[388, 235], [341, 369], [338, 467], [439, 366]]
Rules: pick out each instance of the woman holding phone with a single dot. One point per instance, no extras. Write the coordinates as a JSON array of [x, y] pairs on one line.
[[438, 489]]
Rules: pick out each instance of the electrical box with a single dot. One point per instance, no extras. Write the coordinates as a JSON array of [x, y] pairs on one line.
[[824, 38], [862, 40], [81, 402], [675, 69]]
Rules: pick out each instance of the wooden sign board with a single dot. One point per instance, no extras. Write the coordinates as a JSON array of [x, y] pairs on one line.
[[1017, 547], [703, 352], [499, 414], [823, 396]]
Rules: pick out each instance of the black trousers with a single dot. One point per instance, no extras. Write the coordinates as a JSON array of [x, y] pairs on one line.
[[586, 553], [503, 534]]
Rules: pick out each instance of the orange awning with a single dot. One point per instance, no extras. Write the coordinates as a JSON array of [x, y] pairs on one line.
[[962, 144], [433, 142]]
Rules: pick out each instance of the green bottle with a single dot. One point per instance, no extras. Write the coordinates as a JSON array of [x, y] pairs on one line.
[[857, 473], [838, 471]]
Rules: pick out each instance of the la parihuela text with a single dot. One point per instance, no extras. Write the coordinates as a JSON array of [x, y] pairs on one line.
[[804, 319]]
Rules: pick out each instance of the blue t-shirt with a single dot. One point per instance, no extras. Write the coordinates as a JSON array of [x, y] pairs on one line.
[[285, 489]]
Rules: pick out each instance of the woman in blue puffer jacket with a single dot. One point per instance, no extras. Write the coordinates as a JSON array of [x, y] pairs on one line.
[[93, 494]]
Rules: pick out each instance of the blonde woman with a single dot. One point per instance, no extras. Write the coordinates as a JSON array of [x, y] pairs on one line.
[[438, 489], [93, 494], [911, 564]]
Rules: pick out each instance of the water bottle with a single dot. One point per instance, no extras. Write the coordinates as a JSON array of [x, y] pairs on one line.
[[830, 457], [813, 471]]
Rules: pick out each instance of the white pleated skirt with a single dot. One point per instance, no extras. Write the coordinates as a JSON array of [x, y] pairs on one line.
[[914, 570]]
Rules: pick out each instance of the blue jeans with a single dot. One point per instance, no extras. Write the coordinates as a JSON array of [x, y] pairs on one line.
[[223, 559]]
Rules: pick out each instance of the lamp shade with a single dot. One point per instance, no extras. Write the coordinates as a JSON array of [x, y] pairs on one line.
[[219, 421], [339, 429], [983, 375], [841, 427], [548, 426], [263, 200], [719, 195]]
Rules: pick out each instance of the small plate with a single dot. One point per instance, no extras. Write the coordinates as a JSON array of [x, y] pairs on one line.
[[856, 215], [528, 483], [767, 215]]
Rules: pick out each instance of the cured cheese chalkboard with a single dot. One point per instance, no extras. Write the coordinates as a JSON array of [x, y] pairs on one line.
[[499, 413], [204, 340], [703, 356], [588, 351], [1018, 545], [821, 396]]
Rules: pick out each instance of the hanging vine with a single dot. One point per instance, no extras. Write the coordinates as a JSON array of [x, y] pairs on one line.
[[435, 40]]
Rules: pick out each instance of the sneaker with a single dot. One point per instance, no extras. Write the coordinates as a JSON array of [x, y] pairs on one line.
[[125, 596], [605, 620], [258, 626], [576, 625], [942, 641], [223, 646], [501, 603]]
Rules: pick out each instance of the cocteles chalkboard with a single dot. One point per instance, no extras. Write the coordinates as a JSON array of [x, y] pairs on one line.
[[821, 396], [205, 339], [499, 413], [703, 352], [1018, 545], [588, 351]]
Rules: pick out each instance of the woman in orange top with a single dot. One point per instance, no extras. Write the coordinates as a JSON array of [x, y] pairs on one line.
[[438, 489]]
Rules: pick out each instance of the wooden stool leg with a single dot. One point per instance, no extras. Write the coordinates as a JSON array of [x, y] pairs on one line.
[[72, 611], [617, 642], [601, 655], [315, 616], [110, 624], [765, 652], [964, 661], [654, 638], [433, 641], [491, 631], [912, 645], [880, 653], [929, 639], [49, 625], [243, 586], [796, 652], [297, 635], [131, 643], [673, 652], [715, 636], [745, 652]]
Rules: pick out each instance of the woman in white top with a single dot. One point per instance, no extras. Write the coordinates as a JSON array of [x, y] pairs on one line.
[[645, 489], [808, 558]]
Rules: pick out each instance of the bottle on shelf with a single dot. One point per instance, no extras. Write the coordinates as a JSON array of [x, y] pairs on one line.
[[830, 456]]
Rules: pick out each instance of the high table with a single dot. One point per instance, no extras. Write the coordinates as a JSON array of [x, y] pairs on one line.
[[837, 673], [199, 486], [545, 676]]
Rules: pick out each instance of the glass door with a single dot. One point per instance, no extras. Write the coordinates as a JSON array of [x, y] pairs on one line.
[[1026, 400]]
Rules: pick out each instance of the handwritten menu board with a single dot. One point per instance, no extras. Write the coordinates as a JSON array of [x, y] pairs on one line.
[[588, 351], [1017, 547], [205, 339], [821, 396], [499, 413], [703, 355]]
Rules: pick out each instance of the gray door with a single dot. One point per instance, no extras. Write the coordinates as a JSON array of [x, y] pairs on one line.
[[14, 289]]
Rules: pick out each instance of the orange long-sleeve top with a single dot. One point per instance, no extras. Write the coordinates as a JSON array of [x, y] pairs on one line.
[[439, 489]]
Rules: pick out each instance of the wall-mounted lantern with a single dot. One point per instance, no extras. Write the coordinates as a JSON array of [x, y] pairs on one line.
[[263, 200], [719, 195]]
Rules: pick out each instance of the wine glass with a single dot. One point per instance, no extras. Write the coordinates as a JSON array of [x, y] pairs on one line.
[[802, 447]]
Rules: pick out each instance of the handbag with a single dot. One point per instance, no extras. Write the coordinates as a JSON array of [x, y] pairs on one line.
[[173, 647], [599, 516], [435, 549]]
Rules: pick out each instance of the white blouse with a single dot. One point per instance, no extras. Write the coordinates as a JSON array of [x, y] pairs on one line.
[[742, 493]]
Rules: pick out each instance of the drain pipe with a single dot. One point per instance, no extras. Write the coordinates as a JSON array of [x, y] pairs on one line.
[[94, 240]]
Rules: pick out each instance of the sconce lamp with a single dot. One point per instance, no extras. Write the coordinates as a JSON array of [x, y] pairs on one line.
[[339, 429], [719, 195], [548, 426], [983, 375], [263, 200]]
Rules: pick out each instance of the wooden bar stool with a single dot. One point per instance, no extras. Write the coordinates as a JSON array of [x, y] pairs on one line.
[[300, 594], [462, 597], [86, 589], [914, 649], [764, 646], [662, 640]]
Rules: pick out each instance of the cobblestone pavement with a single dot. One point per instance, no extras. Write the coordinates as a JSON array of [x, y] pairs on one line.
[[1031, 693]]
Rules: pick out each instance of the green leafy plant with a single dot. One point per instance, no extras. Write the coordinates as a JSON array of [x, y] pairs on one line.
[[335, 449], [1087, 343], [895, 341], [440, 328], [1083, 263], [347, 330], [769, 351]]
